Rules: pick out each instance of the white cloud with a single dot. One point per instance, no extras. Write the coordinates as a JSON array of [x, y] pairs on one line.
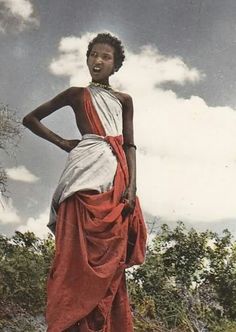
[[16, 15], [21, 173], [149, 65], [186, 161], [22, 8], [8, 213], [37, 225], [72, 60], [186, 156], [150, 68]]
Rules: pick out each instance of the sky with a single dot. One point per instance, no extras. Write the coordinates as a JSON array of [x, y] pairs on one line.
[[180, 70]]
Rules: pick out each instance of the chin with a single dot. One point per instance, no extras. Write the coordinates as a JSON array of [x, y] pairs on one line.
[[99, 80]]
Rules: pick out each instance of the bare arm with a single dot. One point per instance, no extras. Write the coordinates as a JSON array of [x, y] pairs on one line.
[[33, 120], [128, 134]]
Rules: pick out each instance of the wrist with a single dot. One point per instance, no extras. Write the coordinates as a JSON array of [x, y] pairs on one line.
[[132, 185], [60, 142]]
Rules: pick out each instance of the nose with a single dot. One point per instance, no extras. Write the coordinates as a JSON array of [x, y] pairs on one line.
[[98, 60]]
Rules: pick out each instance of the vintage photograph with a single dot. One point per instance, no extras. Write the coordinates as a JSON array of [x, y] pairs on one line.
[[118, 166]]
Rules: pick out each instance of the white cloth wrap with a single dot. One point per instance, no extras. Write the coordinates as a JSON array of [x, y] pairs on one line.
[[109, 110], [91, 165]]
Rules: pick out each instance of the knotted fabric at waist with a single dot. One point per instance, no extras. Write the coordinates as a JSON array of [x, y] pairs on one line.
[[118, 139], [116, 144]]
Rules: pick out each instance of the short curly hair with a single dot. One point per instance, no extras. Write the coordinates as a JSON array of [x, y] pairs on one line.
[[107, 38]]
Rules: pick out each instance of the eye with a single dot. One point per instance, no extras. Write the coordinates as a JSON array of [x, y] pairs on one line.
[[107, 57]]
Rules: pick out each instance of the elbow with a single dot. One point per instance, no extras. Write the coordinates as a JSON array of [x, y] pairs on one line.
[[28, 121]]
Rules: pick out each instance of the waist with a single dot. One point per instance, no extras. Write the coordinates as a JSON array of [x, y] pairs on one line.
[[93, 136], [108, 138]]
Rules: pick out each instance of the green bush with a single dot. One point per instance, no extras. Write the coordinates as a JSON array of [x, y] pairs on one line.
[[24, 264], [187, 284], [188, 281]]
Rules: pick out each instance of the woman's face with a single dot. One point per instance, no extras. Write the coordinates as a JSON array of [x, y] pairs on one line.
[[101, 62]]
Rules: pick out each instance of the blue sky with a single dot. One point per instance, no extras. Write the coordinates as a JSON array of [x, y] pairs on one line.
[[180, 71]]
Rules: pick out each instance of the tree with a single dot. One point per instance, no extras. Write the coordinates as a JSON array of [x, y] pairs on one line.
[[24, 264], [188, 282], [10, 132]]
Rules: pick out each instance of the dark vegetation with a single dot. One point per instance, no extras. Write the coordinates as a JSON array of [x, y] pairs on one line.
[[188, 282], [10, 133]]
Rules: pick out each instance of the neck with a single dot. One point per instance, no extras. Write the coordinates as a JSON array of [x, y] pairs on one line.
[[105, 81]]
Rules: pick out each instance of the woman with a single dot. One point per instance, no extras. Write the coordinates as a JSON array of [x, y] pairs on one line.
[[95, 213]]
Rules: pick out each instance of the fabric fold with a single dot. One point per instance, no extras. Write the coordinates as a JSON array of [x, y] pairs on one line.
[[95, 243]]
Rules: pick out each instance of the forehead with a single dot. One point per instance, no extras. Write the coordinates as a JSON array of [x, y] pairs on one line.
[[103, 48]]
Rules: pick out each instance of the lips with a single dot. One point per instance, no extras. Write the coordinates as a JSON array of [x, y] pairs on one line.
[[96, 69]]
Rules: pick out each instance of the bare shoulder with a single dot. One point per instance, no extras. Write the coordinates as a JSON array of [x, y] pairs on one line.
[[125, 99], [74, 94]]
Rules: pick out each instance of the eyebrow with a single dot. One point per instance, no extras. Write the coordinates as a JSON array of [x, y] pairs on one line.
[[105, 53]]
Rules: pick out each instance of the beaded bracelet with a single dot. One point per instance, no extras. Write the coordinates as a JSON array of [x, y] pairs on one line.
[[130, 145]]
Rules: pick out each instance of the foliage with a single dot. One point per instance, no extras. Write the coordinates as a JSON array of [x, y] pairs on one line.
[[10, 127], [24, 264], [10, 132], [188, 279], [15, 319], [187, 284]]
